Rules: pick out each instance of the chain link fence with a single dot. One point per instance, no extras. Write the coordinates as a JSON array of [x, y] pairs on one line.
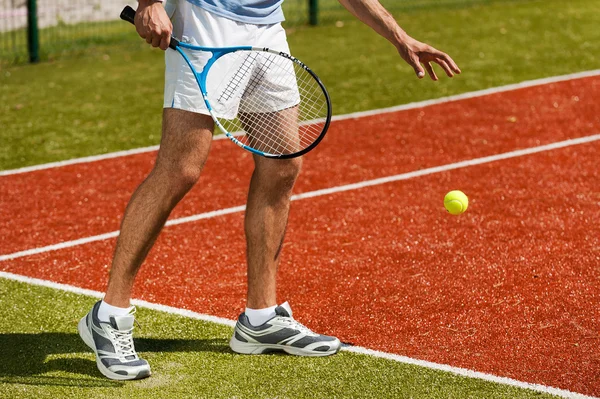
[[61, 25], [38, 29]]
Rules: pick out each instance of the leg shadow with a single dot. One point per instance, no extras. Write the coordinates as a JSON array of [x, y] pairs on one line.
[[26, 357]]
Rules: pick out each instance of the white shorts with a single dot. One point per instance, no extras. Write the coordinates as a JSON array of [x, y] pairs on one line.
[[197, 26]]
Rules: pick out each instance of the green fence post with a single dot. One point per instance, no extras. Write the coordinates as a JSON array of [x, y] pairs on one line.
[[313, 12], [33, 37]]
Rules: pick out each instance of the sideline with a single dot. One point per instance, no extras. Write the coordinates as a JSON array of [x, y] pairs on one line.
[[325, 191], [355, 349]]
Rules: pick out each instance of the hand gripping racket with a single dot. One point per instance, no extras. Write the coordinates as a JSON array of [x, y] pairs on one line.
[[265, 101]]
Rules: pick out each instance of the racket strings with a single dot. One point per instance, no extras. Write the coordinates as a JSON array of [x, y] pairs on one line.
[[274, 101], [261, 72], [240, 76], [278, 143], [292, 141], [271, 134], [299, 139]]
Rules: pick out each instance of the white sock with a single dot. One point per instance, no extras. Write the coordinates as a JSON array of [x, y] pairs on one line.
[[105, 311], [258, 317]]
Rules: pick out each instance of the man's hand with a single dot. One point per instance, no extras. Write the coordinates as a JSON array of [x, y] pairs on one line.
[[153, 24], [416, 53]]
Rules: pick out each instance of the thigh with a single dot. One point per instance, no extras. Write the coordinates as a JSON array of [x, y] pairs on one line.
[[272, 132], [269, 111], [196, 26], [186, 139]]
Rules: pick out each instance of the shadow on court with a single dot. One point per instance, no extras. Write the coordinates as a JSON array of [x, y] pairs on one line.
[[25, 357]]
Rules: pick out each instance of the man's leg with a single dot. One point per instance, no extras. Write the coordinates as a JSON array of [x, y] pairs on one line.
[[266, 220], [264, 326], [184, 148], [107, 328]]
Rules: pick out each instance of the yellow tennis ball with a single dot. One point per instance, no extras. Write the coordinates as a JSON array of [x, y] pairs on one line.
[[456, 202]]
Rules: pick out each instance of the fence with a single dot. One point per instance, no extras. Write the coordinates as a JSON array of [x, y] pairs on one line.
[[34, 29], [30, 29]]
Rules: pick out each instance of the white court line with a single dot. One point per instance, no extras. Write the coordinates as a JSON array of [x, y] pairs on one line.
[[404, 107], [354, 349], [472, 94], [113, 234], [361, 350], [326, 191]]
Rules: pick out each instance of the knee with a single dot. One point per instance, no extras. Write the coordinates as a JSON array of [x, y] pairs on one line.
[[178, 178], [281, 175], [187, 176]]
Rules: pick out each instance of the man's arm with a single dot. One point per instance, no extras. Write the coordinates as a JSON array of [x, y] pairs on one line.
[[415, 53], [153, 24]]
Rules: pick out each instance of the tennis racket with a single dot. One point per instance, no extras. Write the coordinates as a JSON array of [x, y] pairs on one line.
[[263, 100]]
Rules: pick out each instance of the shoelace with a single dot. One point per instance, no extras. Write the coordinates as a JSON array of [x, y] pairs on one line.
[[124, 343], [298, 326]]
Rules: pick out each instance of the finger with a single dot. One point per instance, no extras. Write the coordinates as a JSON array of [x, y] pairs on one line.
[[148, 38], [166, 38], [414, 62], [164, 42], [156, 39], [444, 66], [451, 63], [430, 71]]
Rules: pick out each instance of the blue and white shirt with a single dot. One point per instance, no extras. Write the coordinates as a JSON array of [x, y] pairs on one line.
[[248, 11]]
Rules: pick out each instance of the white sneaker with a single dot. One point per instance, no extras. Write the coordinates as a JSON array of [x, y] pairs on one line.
[[281, 333], [113, 344]]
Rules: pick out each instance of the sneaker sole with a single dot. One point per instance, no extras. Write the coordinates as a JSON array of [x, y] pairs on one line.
[[85, 335], [246, 348]]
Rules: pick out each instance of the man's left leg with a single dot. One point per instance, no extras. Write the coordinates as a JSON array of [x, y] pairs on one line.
[[264, 326], [267, 213]]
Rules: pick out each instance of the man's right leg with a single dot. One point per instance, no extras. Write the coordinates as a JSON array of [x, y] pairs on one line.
[[107, 328], [184, 148]]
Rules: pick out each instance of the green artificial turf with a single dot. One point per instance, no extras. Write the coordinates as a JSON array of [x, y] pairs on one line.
[[111, 100], [43, 357]]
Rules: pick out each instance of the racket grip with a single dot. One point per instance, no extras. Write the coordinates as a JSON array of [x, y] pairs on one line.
[[128, 14]]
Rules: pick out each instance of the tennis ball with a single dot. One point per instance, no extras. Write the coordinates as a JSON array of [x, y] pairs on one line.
[[456, 202]]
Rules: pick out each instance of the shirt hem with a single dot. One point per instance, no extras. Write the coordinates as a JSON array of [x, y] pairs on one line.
[[275, 17]]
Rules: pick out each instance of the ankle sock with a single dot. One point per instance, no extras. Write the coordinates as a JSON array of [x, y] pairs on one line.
[[105, 311], [258, 317]]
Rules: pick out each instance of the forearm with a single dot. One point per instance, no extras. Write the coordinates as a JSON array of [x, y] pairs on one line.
[[373, 14]]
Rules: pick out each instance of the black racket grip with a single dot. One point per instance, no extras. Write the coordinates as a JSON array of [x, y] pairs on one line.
[[128, 14]]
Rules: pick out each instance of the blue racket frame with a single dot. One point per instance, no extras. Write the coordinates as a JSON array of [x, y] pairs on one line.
[[128, 14]]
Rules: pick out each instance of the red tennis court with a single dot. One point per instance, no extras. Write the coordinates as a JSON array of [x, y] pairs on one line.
[[509, 288]]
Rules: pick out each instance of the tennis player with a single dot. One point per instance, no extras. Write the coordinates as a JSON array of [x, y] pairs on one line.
[[186, 139]]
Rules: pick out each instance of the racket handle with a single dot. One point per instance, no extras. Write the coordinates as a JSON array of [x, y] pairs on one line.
[[128, 14]]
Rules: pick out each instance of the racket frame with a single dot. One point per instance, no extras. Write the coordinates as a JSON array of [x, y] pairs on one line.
[[128, 15]]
